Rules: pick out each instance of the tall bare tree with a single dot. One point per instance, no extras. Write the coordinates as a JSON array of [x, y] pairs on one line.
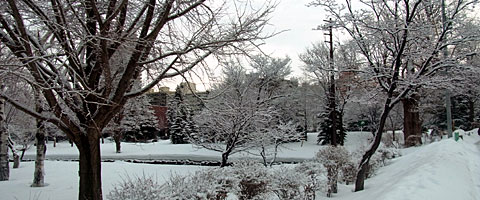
[[4, 165], [40, 138], [402, 47], [69, 47]]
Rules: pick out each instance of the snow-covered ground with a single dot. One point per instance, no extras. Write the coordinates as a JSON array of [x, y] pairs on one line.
[[443, 170], [440, 171], [164, 150]]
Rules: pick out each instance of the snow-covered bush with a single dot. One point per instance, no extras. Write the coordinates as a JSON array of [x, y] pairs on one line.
[[379, 159], [332, 158], [140, 187], [312, 172], [348, 172], [386, 153], [391, 140], [287, 183], [253, 179], [214, 183]]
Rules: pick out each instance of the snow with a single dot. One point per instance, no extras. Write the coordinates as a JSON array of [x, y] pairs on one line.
[[164, 150], [442, 170], [62, 179]]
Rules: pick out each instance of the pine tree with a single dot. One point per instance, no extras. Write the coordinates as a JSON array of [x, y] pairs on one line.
[[139, 119], [324, 136], [180, 122]]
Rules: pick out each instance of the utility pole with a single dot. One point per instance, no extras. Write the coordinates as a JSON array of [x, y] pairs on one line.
[[447, 92], [331, 95]]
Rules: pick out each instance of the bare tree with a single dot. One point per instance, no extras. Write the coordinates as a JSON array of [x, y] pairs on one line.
[[4, 163], [401, 46], [243, 105], [269, 141], [68, 48], [40, 138]]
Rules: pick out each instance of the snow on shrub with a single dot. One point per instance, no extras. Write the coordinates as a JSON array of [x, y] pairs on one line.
[[348, 172], [379, 159], [253, 179], [214, 183], [312, 172], [288, 183], [245, 179], [332, 158], [141, 187]]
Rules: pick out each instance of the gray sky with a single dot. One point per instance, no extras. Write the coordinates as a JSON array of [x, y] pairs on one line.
[[299, 20]]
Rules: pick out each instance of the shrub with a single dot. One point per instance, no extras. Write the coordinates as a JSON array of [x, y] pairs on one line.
[[332, 158], [205, 184], [253, 179], [348, 172], [145, 188], [288, 183], [312, 172]]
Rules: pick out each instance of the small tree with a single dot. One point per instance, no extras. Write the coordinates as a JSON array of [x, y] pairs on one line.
[[243, 105], [271, 139]]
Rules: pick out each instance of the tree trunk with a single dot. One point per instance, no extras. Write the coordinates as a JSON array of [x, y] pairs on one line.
[[16, 157], [117, 137], [412, 125], [54, 141], [16, 161], [38, 175], [471, 114], [4, 165], [364, 164], [224, 159], [90, 166]]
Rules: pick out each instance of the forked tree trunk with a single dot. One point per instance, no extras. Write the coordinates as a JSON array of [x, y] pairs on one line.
[[38, 175], [4, 165], [16, 157], [224, 159], [89, 166], [412, 125]]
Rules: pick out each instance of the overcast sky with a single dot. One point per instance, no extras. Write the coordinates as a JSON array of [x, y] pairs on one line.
[[299, 20]]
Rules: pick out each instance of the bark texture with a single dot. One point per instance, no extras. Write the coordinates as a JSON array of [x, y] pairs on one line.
[[90, 166], [4, 165], [412, 125], [38, 175], [224, 159]]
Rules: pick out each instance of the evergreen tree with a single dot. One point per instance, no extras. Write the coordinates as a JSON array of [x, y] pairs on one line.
[[180, 122], [140, 119], [325, 136]]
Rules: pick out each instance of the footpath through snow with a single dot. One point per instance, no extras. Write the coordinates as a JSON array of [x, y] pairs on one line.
[[443, 170]]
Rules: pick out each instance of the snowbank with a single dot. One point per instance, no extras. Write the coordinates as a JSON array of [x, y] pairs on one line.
[[442, 170]]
